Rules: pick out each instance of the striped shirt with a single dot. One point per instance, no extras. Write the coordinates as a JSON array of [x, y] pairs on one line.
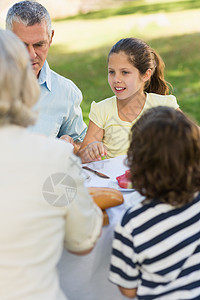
[[156, 249]]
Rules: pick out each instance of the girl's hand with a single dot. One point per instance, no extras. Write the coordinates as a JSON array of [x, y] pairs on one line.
[[92, 152]]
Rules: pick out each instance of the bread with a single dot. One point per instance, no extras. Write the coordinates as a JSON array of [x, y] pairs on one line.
[[106, 197], [105, 218]]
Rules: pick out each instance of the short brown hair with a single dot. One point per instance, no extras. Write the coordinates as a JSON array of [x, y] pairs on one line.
[[164, 156]]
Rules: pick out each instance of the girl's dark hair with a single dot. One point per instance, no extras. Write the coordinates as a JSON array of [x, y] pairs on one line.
[[143, 57], [164, 156]]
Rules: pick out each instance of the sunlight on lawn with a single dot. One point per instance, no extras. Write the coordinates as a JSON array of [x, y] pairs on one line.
[[81, 44], [81, 35]]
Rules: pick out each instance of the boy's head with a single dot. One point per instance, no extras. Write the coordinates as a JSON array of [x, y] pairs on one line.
[[164, 156]]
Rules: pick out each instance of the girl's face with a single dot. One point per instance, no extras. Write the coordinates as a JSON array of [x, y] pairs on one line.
[[124, 79]]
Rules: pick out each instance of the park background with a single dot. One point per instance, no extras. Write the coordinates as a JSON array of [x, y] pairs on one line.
[[85, 30]]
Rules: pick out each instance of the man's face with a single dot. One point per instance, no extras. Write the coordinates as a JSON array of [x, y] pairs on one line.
[[37, 41]]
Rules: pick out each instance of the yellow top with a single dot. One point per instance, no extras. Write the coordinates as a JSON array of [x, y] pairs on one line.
[[105, 115]]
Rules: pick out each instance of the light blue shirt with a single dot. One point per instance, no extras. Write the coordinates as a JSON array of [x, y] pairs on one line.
[[58, 108]]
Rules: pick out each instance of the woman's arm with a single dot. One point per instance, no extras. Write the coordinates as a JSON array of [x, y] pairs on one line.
[[84, 219], [92, 147]]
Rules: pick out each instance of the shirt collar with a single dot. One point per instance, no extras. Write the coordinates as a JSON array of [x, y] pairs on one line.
[[45, 76]]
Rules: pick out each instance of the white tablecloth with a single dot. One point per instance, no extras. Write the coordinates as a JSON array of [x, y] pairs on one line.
[[86, 277]]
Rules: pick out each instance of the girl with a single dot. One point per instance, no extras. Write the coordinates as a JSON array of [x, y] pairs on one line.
[[136, 76]]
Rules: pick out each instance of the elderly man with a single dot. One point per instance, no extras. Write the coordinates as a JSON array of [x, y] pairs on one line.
[[59, 109]]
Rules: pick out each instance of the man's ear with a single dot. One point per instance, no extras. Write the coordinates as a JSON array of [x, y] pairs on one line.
[[52, 34], [147, 75]]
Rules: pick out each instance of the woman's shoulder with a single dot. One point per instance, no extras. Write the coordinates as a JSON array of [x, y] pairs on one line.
[[34, 147]]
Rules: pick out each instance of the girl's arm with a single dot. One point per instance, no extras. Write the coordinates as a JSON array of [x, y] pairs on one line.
[[92, 147]]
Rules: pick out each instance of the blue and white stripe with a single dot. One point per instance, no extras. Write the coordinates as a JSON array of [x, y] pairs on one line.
[[156, 249]]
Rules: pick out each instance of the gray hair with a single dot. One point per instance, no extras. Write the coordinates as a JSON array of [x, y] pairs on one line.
[[19, 89], [29, 13]]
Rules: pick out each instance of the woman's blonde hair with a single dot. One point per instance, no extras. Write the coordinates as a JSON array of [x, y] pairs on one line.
[[19, 89]]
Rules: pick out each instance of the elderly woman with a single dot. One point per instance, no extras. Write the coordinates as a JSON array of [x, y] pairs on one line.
[[43, 201]]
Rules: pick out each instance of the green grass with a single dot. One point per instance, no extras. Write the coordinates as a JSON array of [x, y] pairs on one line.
[[81, 45], [139, 7]]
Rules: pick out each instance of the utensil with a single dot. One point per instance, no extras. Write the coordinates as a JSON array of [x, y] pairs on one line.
[[96, 172]]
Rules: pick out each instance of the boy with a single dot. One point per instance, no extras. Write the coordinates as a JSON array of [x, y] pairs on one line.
[[156, 248]]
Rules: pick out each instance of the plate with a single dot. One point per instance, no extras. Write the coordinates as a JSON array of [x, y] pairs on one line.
[[114, 185]]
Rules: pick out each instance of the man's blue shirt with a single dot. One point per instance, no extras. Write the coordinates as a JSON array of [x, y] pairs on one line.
[[59, 110]]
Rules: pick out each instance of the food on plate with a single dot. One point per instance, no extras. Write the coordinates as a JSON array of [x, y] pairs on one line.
[[124, 180], [103, 157], [106, 197]]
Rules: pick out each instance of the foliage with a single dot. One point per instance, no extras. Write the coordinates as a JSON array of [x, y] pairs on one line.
[[81, 45]]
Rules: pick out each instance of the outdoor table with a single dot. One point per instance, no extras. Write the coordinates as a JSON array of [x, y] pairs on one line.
[[86, 277]]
